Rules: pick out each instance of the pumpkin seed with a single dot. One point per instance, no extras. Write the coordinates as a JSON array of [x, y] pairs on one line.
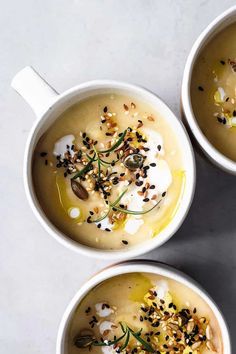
[[83, 341], [133, 161], [79, 190]]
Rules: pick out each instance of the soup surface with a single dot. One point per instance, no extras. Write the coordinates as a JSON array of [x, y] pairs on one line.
[[109, 172], [143, 313], [213, 91]]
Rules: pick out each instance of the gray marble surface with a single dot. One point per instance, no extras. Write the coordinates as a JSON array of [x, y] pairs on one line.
[[68, 42]]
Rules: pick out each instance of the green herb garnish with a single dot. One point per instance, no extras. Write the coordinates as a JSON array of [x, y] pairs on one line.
[[116, 145], [113, 206], [89, 341], [85, 169]]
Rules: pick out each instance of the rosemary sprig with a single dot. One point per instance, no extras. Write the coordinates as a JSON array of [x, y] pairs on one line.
[[119, 141], [136, 212], [85, 341], [96, 157], [110, 206], [122, 210], [85, 169]]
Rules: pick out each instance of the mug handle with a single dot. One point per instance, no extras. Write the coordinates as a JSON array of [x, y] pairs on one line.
[[34, 89]]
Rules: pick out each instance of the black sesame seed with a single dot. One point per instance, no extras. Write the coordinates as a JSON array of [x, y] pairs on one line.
[[65, 174], [125, 242], [84, 135], [103, 120], [43, 154], [106, 229], [152, 186], [153, 164], [122, 174], [46, 162], [156, 324], [227, 99], [224, 120], [222, 62], [146, 168], [99, 225], [220, 120], [105, 109], [159, 147], [91, 212], [89, 221], [144, 189], [163, 194], [194, 310], [108, 134], [234, 113], [139, 183], [200, 88], [146, 200]]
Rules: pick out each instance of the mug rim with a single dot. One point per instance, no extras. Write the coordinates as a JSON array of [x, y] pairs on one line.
[[210, 151], [119, 254], [142, 266]]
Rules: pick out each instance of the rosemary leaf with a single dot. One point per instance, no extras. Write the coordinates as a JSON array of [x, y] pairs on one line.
[[102, 217], [119, 141], [135, 212], [110, 342], [126, 342], [119, 198], [145, 344]]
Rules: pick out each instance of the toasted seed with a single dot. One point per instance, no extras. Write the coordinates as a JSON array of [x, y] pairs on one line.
[[79, 190], [190, 326], [210, 346], [196, 345], [208, 332]]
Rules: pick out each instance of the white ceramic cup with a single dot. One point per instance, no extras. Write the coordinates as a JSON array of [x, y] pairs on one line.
[[144, 267], [48, 105], [221, 22]]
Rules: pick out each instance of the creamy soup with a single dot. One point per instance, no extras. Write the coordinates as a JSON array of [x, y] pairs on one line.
[[213, 91], [109, 172], [143, 313]]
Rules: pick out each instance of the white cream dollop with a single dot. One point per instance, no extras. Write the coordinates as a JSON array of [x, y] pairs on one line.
[[108, 350], [161, 288], [132, 225], [103, 311], [60, 145], [105, 224], [106, 326], [74, 213]]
